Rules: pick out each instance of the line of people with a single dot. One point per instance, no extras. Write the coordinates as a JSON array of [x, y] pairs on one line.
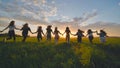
[[25, 29]]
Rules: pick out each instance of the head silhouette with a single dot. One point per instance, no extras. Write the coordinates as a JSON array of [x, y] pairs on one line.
[[12, 23], [49, 26], [55, 28], [39, 27], [67, 28], [89, 31], [101, 31], [25, 25], [79, 30]]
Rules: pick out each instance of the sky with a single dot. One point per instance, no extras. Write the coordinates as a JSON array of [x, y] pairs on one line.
[[76, 14]]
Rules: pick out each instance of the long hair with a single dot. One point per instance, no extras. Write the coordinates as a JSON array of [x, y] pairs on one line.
[[56, 30], [89, 31], [12, 23], [102, 31], [80, 31], [67, 29], [39, 28], [48, 27], [25, 25]]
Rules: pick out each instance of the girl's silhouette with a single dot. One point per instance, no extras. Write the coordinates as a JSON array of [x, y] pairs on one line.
[[49, 30], [79, 35], [68, 32], [11, 32], [39, 33], [102, 35], [90, 35], [25, 30], [56, 33]]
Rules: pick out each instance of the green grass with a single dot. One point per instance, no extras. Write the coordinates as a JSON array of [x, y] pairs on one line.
[[33, 54]]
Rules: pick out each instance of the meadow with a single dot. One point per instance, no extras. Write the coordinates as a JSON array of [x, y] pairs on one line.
[[44, 54]]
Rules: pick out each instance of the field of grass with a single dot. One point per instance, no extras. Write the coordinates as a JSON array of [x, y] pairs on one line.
[[44, 54]]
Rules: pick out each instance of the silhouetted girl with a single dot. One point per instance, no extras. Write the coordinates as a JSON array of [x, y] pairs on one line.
[[79, 35], [25, 30], [11, 32], [90, 35], [56, 33], [102, 35], [68, 32], [39, 33], [49, 30]]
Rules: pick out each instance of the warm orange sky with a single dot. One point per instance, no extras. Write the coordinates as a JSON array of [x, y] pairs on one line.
[[76, 14]]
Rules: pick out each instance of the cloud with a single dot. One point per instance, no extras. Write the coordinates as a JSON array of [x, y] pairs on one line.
[[3, 23], [43, 1], [75, 22], [119, 3], [111, 28], [64, 18], [39, 11], [28, 10]]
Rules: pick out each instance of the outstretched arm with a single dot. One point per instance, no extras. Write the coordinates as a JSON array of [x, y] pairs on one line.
[[94, 31], [43, 33], [5, 28], [0, 31], [30, 31], [52, 32], [97, 33], [107, 35], [34, 32], [63, 33], [86, 35], [21, 29], [60, 33], [73, 34], [17, 28]]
